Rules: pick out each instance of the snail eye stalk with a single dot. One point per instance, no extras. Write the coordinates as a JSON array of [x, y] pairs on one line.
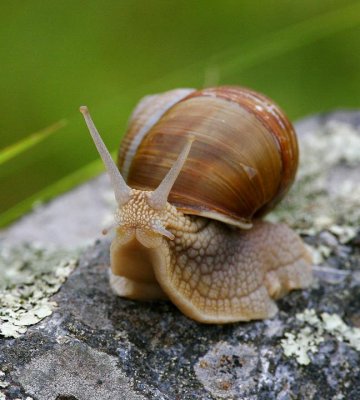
[[121, 190]]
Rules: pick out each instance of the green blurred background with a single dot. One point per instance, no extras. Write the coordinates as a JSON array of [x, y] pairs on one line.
[[56, 56]]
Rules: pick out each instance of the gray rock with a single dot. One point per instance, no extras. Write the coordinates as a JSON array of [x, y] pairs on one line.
[[75, 369], [95, 345], [67, 221]]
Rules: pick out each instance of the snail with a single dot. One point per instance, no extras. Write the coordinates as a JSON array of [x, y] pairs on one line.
[[197, 171]]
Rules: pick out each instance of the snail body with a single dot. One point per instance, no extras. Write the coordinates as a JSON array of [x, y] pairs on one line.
[[188, 227]]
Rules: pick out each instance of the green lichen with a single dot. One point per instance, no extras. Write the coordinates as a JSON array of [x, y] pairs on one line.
[[30, 276], [3, 383], [301, 344], [308, 338], [333, 324], [326, 194]]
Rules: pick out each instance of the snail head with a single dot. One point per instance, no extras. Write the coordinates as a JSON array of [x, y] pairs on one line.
[[140, 213]]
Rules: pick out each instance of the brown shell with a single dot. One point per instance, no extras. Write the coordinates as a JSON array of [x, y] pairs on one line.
[[242, 162]]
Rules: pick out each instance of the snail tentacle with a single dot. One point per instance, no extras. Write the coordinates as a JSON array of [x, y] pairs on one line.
[[158, 198], [199, 242], [121, 189]]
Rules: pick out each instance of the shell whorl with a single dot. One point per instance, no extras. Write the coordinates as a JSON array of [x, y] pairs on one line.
[[144, 117], [241, 164]]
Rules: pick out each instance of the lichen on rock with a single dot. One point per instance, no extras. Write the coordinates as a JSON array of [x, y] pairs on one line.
[[228, 371], [307, 339], [30, 276], [97, 345], [327, 189]]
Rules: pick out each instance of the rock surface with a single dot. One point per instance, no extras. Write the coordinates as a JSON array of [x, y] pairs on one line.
[[95, 345]]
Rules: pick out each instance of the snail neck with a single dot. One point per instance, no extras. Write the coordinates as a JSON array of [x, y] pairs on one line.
[[141, 272], [142, 241], [132, 273]]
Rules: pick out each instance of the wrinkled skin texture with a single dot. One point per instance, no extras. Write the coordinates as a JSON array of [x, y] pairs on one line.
[[212, 272]]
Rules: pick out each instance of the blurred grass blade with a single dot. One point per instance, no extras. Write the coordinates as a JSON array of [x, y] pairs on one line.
[[15, 149], [289, 38], [253, 52], [62, 185], [233, 59]]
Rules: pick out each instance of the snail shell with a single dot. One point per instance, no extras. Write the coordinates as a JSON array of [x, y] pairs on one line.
[[227, 154], [242, 162]]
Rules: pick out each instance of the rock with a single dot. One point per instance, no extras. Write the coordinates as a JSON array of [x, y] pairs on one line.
[[95, 345], [67, 221], [88, 374]]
